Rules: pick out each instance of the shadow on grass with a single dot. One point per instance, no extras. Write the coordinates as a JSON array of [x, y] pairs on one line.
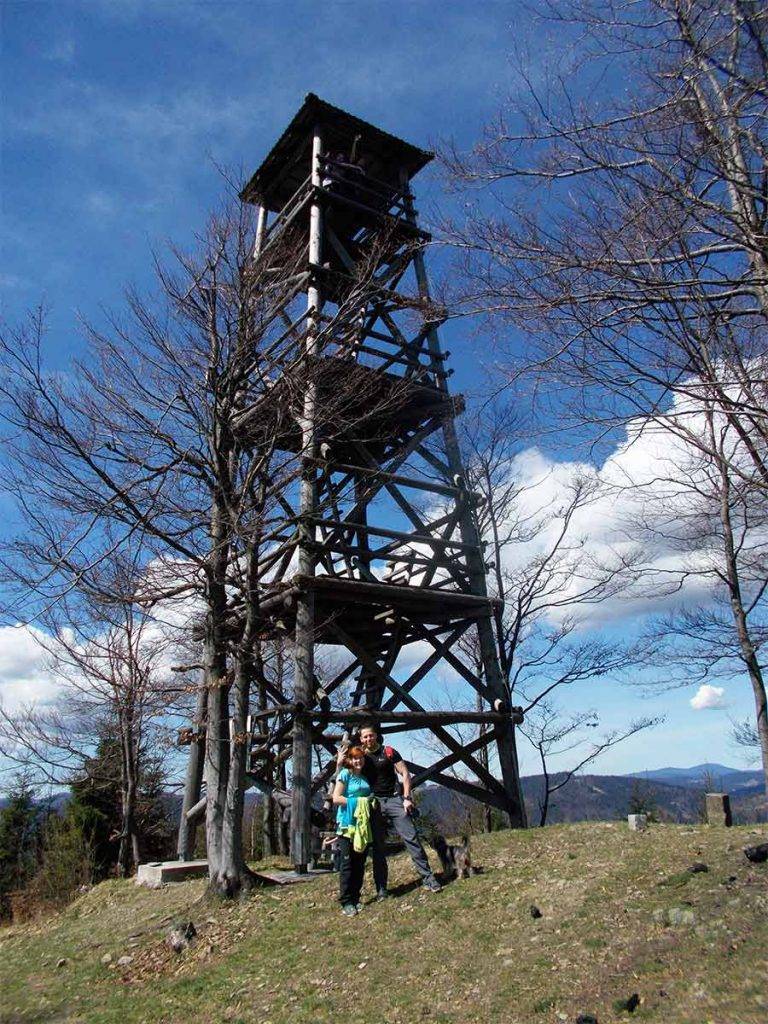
[[404, 888], [450, 879]]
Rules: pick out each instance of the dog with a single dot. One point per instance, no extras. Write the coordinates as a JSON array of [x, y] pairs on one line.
[[455, 858]]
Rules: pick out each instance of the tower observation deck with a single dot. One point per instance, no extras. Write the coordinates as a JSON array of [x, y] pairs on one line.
[[378, 560]]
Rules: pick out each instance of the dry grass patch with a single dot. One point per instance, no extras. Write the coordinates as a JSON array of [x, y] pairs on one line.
[[470, 954]]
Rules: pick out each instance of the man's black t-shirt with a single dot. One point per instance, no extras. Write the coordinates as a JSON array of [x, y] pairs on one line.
[[379, 770]]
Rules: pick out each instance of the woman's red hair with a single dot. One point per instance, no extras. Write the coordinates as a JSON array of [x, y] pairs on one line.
[[353, 752]]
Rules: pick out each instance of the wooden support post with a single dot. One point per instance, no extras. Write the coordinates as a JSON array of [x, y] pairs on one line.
[[261, 230], [304, 640]]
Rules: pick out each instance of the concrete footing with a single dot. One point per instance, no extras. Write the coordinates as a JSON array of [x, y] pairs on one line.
[[637, 822], [718, 809], [157, 873]]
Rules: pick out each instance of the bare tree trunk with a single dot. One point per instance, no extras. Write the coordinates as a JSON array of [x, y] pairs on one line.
[[217, 732], [544, 802], [185, 849], [129, 851], [268, 836], [266, 813], [233, 874], [740, 618]]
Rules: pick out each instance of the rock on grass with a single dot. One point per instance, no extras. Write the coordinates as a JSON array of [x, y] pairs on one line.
[[181, 936]]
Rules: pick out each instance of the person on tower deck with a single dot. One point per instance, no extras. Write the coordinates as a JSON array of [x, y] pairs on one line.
[[381, 768]]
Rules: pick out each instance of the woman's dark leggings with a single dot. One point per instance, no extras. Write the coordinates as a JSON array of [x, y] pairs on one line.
[[351, 871]]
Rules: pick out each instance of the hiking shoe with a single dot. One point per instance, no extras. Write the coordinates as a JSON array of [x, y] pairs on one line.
[[432, 885], [349, 910], [382, 894], [359, 908]]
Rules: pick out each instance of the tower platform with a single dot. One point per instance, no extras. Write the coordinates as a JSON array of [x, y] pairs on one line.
[[361, 609], [286, 166], [356, 403]]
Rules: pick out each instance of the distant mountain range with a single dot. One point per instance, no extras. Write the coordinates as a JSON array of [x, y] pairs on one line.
[[674, 794], [715, 776]]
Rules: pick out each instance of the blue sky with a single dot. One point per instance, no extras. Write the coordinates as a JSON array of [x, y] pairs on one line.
[[115, 114]]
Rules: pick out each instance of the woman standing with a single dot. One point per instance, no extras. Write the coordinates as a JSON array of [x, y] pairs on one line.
[[353, 828]]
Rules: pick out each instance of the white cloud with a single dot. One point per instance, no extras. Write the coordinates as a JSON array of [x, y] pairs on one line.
[[709, 698], [24, 676], [652, 476]]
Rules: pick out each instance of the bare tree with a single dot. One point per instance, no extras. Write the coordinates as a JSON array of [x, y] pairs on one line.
[[641, 281], [177, 433], [106, 663], [715, 522], [139, 441], [554, 734], [744, 735]]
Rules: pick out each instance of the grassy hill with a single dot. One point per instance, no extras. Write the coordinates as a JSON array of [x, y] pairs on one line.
[[470, 954]]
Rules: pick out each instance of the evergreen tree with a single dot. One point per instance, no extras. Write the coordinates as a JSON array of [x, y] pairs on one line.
[[96, 807], [20, 836]]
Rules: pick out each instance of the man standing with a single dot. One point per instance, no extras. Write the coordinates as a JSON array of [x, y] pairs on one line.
[[381, 768]]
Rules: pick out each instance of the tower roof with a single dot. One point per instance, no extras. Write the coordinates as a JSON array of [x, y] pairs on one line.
[[287, 164]]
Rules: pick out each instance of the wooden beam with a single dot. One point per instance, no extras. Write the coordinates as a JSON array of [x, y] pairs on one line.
[[413, 705], [483, 796], [450, 759], [416, 719], [396, 535]]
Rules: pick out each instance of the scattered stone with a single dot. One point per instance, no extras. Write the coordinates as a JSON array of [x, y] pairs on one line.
[[107, 958], [124, 961], [637, 822], [756, 854], [675, 916], [535, 912], [586, 1018], [181, 936], [718, 806], [627, 1005], [680, 916], [60, 963], [698, 868]]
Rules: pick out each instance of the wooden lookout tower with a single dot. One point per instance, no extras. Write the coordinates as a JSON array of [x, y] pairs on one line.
[[380, 560]]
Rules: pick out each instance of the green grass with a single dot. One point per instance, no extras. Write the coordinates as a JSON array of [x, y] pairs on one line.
[[467, 955]]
